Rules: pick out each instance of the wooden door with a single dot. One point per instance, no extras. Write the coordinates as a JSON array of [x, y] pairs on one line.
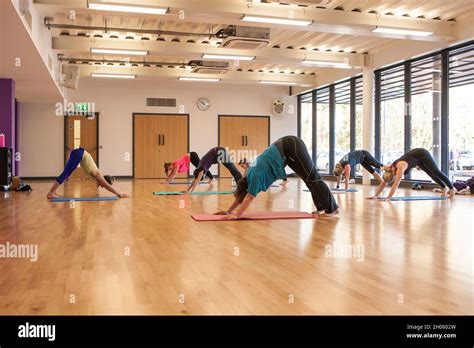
[[245, 136], [82, 132], [174, 139], [257, 134], [158, 139]]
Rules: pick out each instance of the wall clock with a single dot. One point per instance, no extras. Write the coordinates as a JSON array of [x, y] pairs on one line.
[[203, 104]]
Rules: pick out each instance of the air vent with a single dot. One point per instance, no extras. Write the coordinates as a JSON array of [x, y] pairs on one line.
[[245, 38], [209, 67], [161, 102]]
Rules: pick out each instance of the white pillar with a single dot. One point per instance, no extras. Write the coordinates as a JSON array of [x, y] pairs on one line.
[[368, 114]]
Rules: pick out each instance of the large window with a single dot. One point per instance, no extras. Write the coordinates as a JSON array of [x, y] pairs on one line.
[[426, 109], [426, 102], [306, 122], [358, 114], [322, 130], [342, 120], [392, 112], [461, 113]]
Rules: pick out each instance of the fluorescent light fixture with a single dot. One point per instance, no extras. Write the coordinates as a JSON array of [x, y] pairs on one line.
[[274, 20], [326, 63], [115, 76], [127, 8], [199, 79], [280, 83], [402, 31], [119, 51], [226, 57]]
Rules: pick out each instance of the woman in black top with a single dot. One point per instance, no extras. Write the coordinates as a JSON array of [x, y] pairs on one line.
[[422, 159], [214, 156], [350, 160]]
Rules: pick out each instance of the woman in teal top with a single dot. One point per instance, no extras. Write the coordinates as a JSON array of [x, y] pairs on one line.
[[270, 166]]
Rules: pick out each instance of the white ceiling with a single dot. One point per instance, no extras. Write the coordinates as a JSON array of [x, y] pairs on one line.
[[21, 61], [341, 30]]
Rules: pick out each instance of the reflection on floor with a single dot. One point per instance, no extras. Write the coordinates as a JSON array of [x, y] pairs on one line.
[[146, 255]]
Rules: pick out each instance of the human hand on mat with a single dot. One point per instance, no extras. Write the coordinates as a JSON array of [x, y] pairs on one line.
[[184, 192], [122, 195], [222, 212], [373, 197]]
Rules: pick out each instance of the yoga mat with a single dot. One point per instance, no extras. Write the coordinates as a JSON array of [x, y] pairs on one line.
[[83, 199], [342, 190], [257, 216], [339, 190], [186, 183], [171, 193], [416, 198]]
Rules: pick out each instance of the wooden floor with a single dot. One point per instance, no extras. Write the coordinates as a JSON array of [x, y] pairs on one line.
[[145, 255]]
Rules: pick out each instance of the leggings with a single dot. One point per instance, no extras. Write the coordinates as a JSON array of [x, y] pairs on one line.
[[428, 165], [369, 162], [194, 158], [72, 163], [298, 159], [229, 165]]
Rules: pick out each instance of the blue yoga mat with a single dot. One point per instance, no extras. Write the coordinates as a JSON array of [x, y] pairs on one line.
[[170, 193], [338, 190], [83, 199], [416, 198]]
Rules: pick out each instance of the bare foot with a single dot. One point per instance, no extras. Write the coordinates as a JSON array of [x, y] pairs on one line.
[[54, 195], [324, 214], [445, 192], [452, 192]]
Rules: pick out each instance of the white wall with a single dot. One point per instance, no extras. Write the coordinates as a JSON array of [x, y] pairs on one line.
[[41, 140], [117, 100]]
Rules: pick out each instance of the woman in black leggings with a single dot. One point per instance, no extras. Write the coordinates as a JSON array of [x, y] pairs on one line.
[[213, 156], [420, 158], [348, 163], [181, 165], [270, 166]]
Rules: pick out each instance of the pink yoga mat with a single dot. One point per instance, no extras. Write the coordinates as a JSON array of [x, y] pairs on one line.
[[257, 216]]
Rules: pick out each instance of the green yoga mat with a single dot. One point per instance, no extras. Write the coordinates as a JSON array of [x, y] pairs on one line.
[[170, 193]]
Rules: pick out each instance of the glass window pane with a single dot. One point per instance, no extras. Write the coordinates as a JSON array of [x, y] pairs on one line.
[[322, 130], [307, 121], [461, 113], [77, 129], [392, 114], [342, 120], [359, 110], [426, 110]]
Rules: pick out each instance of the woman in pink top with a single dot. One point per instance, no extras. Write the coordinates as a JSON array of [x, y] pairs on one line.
[[181, 165]]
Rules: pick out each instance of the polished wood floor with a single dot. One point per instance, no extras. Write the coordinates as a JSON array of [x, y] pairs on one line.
[[145, 255]]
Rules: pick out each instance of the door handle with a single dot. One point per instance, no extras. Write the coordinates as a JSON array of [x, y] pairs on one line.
[[163, 140], [246, 141], [243, 140], [159, 139]]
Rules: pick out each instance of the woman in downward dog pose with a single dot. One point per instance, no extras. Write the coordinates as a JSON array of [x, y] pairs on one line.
[[270, 166], [420, 158], [213, 156], [181, 165], [245, 165], [82, 157], [350, 160]]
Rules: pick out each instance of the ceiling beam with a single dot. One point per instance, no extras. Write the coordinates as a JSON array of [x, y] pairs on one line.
[[325, 20], [173, 74], [77, 44]]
